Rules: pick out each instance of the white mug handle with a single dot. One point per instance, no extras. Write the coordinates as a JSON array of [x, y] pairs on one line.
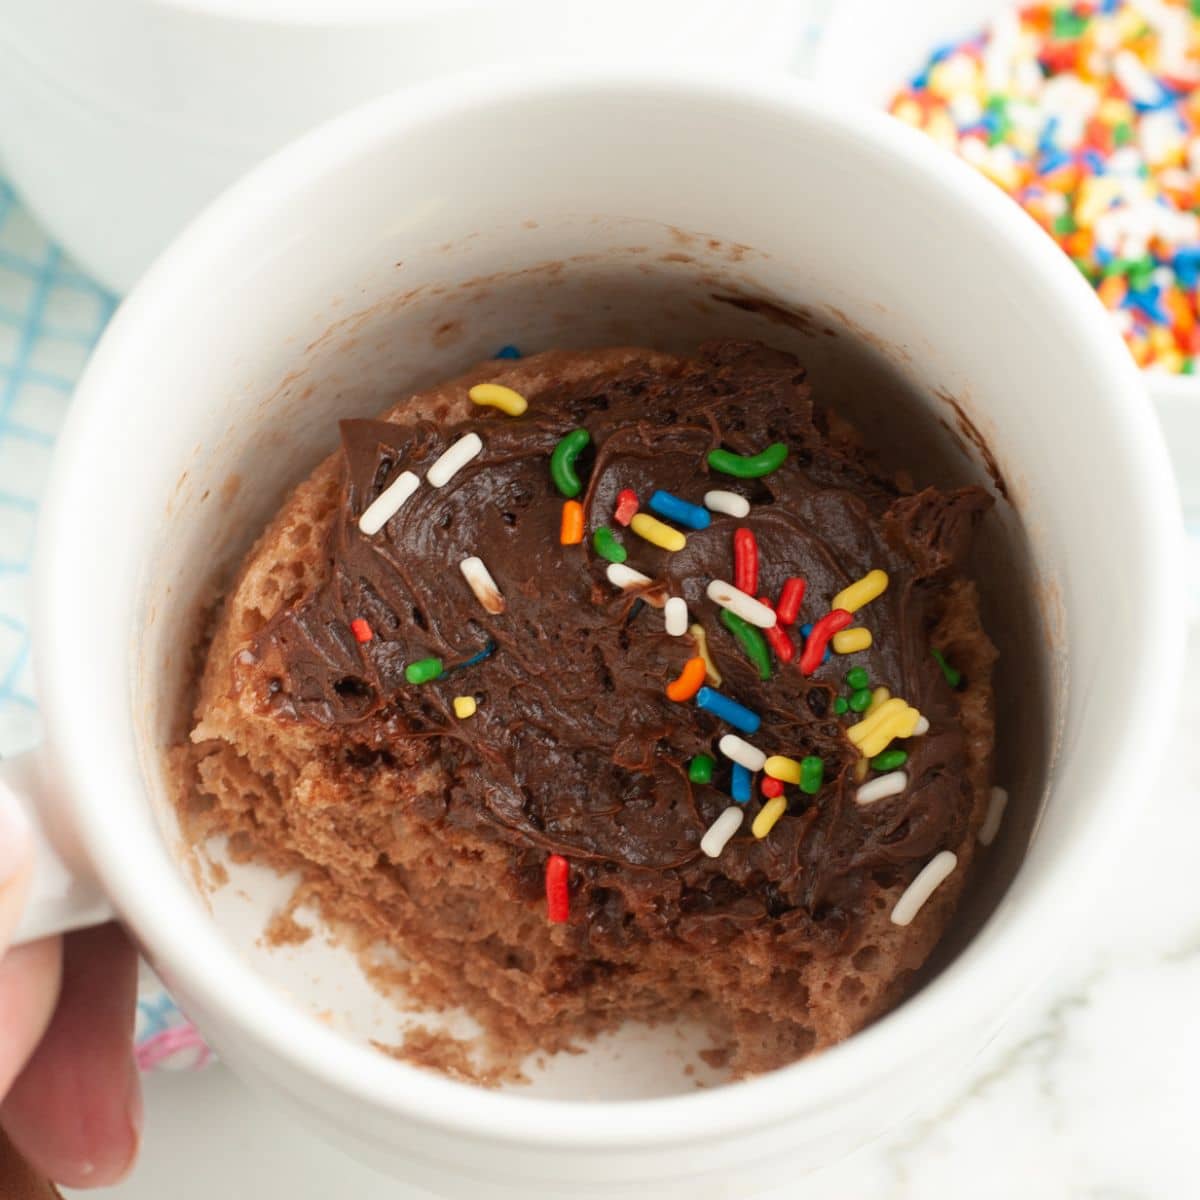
[[61, 897]]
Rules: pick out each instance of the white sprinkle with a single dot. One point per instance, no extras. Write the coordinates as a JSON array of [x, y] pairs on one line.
[[676, 615], [1132, 75], [387, 504], [891, 784], [619, 575], [721, 830], [740, 751], [932, 875], [921, 728], [729, 503], [480, 580], [453, 460], [741, 604], [995, 814]]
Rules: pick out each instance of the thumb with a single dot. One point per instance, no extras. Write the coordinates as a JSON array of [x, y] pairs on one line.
[[16, 863]]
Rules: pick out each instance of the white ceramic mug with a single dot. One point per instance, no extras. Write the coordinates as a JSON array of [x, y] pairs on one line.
[[560, 207]]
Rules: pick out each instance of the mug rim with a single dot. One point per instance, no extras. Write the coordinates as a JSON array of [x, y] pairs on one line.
[[211, 969]]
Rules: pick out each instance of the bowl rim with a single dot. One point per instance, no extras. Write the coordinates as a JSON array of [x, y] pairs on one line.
[[964, 995]]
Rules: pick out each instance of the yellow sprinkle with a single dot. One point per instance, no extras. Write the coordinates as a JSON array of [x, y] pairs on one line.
[[779, 767], [464, 707], [1161, 340], [860, 770], [711, 674], [857, 732], [496, 395], [656, 533], [879, 696], [768, 815], [858, 595], [896, 725], [851, 641]]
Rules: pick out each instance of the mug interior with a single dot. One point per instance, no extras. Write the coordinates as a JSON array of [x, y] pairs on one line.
[[393, 249]]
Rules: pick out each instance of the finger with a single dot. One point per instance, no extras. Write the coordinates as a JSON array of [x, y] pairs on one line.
[[29, 979], [16, 855], [75, 1111]]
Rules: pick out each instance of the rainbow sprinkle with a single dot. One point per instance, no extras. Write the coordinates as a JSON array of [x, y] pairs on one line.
[[1088, 114]]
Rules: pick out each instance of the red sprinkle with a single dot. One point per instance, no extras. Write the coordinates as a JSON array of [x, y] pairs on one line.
[[822, 631], [777, 638], [745, 561], [771, 787], [627, 506], [790, 599], [558, 898], [361, 630]]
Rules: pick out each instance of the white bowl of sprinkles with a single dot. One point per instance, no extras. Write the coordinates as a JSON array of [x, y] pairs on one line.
[[1118, 79]]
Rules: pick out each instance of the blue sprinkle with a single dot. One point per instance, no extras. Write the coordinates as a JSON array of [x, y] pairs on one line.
[[919, 82], [729, 711], [1103, 256], [507, 352], [1148, 303], [1052, 161], [1094, 162], [1164, 99], [805, 630], [486, 652], [1187, 267], [942, 52], [1109, 6], [740, 788], [1046, 143], [690, 516]]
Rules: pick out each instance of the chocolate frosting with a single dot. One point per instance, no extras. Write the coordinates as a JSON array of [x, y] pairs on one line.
[[575, 748]]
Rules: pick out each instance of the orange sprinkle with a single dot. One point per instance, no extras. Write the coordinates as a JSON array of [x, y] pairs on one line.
[[1112, 291], [1181, 314], [572, 523], [690, 681]]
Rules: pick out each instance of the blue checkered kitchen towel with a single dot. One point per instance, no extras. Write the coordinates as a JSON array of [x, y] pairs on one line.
[[50, 317]]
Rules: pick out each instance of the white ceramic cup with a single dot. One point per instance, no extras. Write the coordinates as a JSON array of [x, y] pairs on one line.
[[564, 207]]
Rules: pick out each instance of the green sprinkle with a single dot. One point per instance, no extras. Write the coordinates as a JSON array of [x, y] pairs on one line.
[[1068, 25], [749, 466], [861, 700], [423, 670], [700, 769], [1140, 279], [1065, 223], [1122, 133], [857, 678], [812, 775], [1189, 363], [752, 642], [841, 706], [562, 462], [607, 545], [889, 760], [953, 676]]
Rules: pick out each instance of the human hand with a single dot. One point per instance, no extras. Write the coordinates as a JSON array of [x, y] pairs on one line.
[[71, 1099]]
